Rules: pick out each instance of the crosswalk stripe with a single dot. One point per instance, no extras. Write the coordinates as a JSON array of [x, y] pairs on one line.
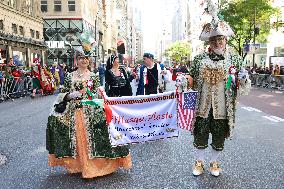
[[254, 109], [251, 109], [271, 119], [277, 118], [247, 108]]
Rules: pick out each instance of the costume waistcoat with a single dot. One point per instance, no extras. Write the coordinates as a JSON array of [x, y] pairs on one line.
[[213, 74]]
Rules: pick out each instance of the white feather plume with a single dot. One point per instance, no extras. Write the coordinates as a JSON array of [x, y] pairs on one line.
[[212, 8]]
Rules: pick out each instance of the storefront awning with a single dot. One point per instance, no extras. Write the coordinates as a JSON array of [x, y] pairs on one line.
[[9, 37]]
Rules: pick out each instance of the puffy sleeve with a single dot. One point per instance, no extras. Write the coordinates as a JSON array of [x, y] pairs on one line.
[[194, 69]]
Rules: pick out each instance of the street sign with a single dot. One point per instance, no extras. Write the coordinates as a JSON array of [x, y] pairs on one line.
[[254, 48], [246, 48]]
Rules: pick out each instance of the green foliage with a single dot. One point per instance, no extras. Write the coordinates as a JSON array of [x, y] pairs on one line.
[[139, 61], [178, 51], [242, 15]]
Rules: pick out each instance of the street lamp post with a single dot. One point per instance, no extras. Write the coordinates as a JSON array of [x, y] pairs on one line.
[[254, 33]]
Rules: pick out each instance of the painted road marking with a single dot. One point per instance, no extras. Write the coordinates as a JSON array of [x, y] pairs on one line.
[[3, 159], [274, 118], [271, 118], [246, 108], [251, 109], [277, 118]]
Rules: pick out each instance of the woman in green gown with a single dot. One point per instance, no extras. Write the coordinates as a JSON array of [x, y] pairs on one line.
[[77, 136]]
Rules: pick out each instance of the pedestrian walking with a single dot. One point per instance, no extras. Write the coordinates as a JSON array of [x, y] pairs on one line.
[[215, 78], [77, 136]]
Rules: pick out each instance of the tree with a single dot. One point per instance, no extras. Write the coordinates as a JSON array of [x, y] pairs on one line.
[[246, 15], [178, 51], [139, 61]]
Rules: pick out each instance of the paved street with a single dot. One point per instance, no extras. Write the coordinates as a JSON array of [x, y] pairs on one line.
[[269, 101], [253, 159]]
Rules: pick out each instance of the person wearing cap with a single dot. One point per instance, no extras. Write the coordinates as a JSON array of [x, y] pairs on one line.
[[77, 135], [216, 79], [153, 76], [117, 81]]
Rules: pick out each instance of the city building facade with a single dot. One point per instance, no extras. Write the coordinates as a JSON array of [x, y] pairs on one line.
[[275, 41], [21, 32], [64, 21], [139, 46], [112, 28], [164, 37], [137, 33], [122, 38]]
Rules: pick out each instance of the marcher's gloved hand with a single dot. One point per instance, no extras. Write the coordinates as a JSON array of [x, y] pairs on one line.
[[75, 95]]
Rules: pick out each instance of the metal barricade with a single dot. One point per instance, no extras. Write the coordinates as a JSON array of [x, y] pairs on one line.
[[8, 85], [253, 78], [15, 87], [279, 81], [2, 81], [267, 81], [262, 80], [22, 86]]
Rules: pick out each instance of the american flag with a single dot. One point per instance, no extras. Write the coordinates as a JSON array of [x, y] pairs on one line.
[[186, 109]]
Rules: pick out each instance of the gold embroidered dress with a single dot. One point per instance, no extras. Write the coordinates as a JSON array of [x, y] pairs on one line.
[[78, 138]]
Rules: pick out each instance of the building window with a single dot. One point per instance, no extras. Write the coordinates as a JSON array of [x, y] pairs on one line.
[[32, 33], [1, 25], [57, 6], [14, 28], [21, 30], [71, 5], [43, 6], [37, 34], [11, 3]]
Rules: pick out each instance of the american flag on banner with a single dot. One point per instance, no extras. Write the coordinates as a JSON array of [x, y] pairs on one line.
[[186, 109]]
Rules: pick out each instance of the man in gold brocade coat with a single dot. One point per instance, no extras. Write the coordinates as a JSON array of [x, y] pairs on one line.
[[217, 75]]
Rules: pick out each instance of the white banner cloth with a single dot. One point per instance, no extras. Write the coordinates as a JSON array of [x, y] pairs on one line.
[[142, 118]]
